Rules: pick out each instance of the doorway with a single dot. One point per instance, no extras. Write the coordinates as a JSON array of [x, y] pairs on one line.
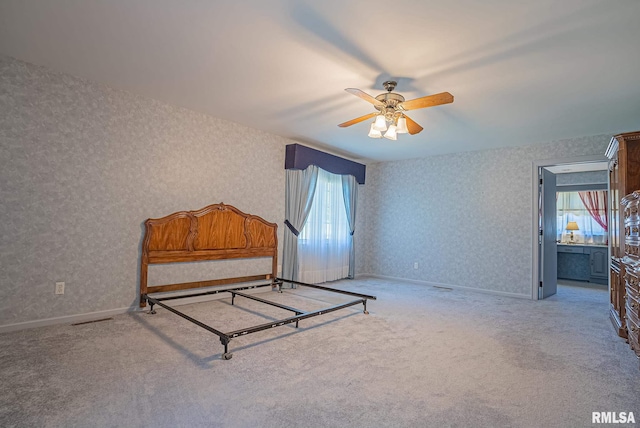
[[544, 228]]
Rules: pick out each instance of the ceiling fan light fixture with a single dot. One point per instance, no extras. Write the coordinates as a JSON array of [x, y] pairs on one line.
[[402, 126], [391, 133], [374, 133], [390, 108], [380, 124]]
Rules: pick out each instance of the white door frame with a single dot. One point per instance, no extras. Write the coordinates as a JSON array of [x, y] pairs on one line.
[[537, 164]]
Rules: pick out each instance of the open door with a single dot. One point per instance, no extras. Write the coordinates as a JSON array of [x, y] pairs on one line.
[[548, 247]]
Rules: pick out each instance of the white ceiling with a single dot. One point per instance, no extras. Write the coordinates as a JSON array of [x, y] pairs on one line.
[[521, 72]]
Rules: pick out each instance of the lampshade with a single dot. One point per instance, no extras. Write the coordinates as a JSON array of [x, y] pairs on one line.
[[572, 225], [391, 133], [380, 124], [402, 126], [373, 132]]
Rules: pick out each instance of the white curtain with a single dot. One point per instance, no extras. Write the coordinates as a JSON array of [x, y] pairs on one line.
[[324, 242]]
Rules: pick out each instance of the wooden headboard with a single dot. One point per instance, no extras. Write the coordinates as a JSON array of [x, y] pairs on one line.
[[215, 232]]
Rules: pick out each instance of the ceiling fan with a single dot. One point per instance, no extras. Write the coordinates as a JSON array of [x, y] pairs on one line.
[[391, 107]]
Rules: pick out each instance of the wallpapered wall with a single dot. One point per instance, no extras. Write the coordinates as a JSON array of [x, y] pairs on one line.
[[82, 166], [465, 218]]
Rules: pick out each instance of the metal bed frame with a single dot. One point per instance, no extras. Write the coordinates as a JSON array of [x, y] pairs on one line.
[[220, 232], [225, 337]]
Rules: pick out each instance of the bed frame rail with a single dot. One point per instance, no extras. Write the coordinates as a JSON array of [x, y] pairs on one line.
[[225, 337]]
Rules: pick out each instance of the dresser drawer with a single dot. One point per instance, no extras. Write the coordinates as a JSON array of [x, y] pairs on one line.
[[632, 230], [632, 312], [631, 278], [631, 283], [631, 210], [633, 297], [632, 249], [633, 331]]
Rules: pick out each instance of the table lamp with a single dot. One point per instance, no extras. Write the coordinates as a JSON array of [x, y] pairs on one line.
[[572, 225]]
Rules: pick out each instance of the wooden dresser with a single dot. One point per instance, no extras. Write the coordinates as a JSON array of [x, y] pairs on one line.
[[631, 262], [624, 178]]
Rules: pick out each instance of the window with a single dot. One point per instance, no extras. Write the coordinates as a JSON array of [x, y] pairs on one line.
[[591, 222], [324, 244]]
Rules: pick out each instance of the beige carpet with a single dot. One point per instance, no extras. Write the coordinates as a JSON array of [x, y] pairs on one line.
[[424, 357]]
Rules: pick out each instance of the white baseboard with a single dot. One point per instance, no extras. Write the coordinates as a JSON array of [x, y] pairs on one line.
[[93, 316], [436, 284], [67, 319]]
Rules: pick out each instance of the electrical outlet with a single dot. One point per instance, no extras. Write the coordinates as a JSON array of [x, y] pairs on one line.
[[59, 287], [415, 265]]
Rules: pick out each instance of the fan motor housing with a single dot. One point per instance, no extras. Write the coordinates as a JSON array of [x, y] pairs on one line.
[[390, 100]]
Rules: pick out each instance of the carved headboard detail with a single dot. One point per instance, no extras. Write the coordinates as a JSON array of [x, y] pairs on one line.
[[215, 232]]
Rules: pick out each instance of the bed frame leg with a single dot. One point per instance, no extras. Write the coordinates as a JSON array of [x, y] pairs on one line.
[[233, 298], [364, 303], [151, 310], [226, 355]]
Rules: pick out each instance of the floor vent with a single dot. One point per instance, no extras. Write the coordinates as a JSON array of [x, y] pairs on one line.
[[89, 322]]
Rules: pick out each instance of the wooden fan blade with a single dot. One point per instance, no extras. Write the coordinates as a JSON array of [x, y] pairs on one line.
[[412, 127], [428, 101], [364, 96], [358, 120]]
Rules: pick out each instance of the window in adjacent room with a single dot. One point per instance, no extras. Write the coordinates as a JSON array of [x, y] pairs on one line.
[[588, 210]]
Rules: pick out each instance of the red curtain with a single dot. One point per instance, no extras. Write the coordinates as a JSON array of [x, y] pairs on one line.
[[596, 203]]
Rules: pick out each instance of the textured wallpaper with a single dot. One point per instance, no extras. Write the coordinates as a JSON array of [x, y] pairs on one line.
[[466, 218], [82, 166]]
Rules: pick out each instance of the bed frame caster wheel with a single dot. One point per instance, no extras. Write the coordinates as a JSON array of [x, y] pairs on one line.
[[227, 356], [152, 312], [366, 312]]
